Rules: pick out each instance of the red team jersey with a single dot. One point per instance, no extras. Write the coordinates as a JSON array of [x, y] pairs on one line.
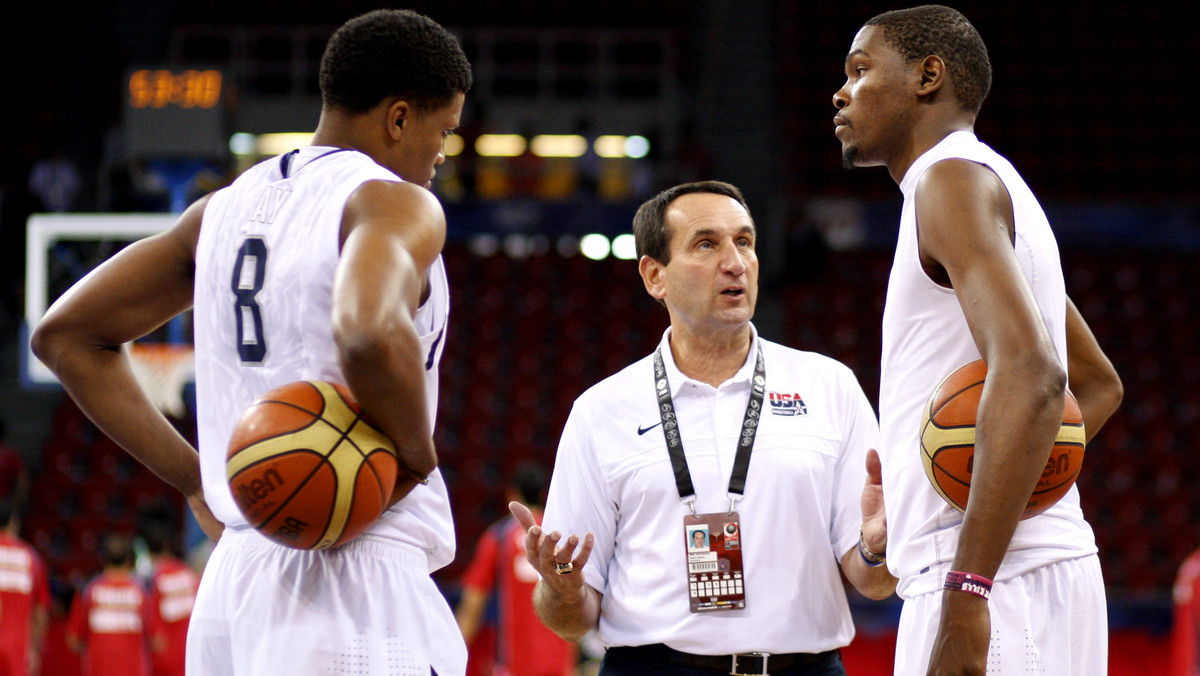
[[172, 595], [1185, 649], [524, 646], [113, 620], [23, 587]]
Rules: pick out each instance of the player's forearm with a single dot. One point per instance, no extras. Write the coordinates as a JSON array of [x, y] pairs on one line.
[[385, 369], [38, 625], [571, 617], [1019, 417], [1093, 380], [469, 613], [101, 382]]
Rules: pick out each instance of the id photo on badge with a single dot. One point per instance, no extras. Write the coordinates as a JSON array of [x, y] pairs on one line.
[[698, 539]]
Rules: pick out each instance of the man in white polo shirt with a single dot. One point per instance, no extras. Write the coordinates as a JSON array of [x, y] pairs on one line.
[[718, 483]]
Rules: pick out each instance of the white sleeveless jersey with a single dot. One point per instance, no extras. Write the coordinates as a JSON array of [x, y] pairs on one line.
[[925, 337], [265, 264]]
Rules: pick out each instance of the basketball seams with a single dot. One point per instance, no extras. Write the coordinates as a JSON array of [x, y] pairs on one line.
[[346, 470], [348, 448], [946, 448], [949, 399]]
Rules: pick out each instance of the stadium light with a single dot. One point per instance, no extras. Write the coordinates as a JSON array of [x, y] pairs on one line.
[[624, 247], [594, 246], [500, 145], [277, 144], [637, 147], [558, 145], [610, 146], [241, 144]]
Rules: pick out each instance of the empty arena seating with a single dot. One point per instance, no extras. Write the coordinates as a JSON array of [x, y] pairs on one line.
[[529, 335]]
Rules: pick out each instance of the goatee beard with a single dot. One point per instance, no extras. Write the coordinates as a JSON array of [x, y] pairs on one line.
[[849, 154]]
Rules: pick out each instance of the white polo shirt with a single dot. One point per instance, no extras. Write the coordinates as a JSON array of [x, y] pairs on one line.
[[799, 516]]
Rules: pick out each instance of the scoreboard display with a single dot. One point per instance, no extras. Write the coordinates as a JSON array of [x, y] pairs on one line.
[[175, 113]]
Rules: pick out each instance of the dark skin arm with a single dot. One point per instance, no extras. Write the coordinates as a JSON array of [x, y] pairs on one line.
[[1093, 380], [392, 233], [965, 222], [82, 338], [469, 613]]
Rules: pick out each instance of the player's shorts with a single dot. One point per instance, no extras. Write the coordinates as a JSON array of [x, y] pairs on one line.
[[368, 607], [1052, 620]]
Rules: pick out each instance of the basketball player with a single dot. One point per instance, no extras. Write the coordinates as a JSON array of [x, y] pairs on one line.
[[24, 599], [172, 584], [500, 574], [720, 431], [323, 263], [111, 624], [976, 274]]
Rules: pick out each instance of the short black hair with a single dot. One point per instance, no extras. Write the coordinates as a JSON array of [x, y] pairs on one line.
[[392, 53], [116, 550], [649, 223], [529, 481], [936, 30], [155, 528], [7, 512]]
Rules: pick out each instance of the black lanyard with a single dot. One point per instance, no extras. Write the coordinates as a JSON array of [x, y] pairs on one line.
[[670, 426]]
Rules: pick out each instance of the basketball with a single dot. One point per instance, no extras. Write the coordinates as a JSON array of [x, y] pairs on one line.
[[948, 442], [306, 469]]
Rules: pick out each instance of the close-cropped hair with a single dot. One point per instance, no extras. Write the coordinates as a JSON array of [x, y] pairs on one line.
[[649, 223], [392, 53], [936, 30]]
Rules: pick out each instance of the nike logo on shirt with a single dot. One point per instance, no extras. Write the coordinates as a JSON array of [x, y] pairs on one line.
[[643, 430]]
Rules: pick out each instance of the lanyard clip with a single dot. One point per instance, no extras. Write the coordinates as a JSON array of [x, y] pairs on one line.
[[733, 500], [690, 501]]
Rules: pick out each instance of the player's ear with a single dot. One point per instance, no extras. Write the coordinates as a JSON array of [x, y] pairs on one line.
[[397, 113], [933, 75]]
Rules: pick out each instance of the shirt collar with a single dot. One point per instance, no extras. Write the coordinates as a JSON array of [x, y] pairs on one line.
[[677, 379]]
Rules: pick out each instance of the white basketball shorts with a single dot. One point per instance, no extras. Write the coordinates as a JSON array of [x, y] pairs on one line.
[[1052, 620], [368, 607]]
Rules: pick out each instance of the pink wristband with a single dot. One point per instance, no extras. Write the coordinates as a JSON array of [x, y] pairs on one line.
[[969, 583]]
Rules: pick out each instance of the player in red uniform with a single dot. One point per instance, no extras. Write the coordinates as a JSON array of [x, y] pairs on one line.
[[110, 622], [172, 586], [24, 600], [1185, 633], [524, 646]]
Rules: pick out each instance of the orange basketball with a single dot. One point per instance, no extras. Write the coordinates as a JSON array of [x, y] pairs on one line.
[[306, 469], [948, 442]]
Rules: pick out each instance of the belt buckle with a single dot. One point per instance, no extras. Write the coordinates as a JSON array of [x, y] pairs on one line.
[[750, 664]]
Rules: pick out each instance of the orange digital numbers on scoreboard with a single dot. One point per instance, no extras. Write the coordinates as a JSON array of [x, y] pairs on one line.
[[166, 88]]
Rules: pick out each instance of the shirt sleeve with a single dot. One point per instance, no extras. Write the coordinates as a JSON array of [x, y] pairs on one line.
[[152, 619], [861, 432], [578, 500], [77, 620], [41, 584], [481, 572]]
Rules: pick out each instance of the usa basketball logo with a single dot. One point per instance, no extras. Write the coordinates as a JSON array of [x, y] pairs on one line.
[[786, 404]]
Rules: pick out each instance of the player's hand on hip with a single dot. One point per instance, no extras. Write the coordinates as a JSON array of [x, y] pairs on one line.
[[204, 516], [961, 645], [561, 568]]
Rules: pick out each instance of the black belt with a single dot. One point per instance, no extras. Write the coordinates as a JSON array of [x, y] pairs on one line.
[[742, 663]]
